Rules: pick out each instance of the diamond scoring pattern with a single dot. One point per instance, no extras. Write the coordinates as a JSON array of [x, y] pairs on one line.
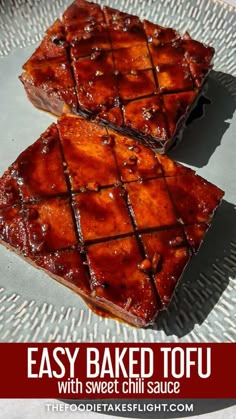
[[116, 61], [121, 242]]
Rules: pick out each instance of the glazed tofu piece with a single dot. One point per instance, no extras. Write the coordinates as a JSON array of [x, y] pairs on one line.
[[39, 169], [102, 214], [52, 47], [50, 86], [128, 60], [95, 82], [125, 30], [106, 216], [195, 234], [146, 116], [117, 279], [169, 254], [135, 76], [158, 35], [134, 161], [86, 143], [177, 106], [151, 204], [49, 225], [192, 201], [136, 84]]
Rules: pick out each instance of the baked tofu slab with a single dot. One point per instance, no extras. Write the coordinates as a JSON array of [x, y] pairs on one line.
[[106, 216], [135, 76]]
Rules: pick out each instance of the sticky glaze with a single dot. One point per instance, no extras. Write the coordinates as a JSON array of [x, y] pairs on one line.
[[100, 62]]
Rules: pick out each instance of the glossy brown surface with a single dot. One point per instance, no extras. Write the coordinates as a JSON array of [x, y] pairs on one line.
[[9, 193], [127, 60], [86, 143], [120, 223], [47, 75], [52, 47], [177, 106], [66, 264], [159, 35], [134, 161], [195, 234], [39, 169], [102, 214], [102, 63], [115, 277], [147, 116], [49, 225], [151, 204], [95, 82], [195, 199], [169, 254], [125, 30], [12, 229], [136, 84], [171, 167]]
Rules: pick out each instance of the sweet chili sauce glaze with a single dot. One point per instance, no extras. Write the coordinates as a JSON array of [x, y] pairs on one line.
[[118, 232]]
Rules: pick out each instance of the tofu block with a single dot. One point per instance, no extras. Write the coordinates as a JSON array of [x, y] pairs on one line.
[[120, 224], [109, 66]]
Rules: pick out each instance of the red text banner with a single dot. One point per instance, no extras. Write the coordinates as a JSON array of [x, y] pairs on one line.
[[117, 371]]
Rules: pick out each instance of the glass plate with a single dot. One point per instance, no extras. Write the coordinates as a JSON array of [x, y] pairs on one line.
[[33, 307]]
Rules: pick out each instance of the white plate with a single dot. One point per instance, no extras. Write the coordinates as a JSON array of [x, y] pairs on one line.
[[33, 307]]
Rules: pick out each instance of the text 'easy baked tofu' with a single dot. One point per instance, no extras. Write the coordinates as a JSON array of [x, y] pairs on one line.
[[106, 216], [138, 77]]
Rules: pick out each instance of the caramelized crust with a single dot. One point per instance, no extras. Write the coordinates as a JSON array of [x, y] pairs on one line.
[[125, 30], [102, 63], [52, 47], [119, 224]]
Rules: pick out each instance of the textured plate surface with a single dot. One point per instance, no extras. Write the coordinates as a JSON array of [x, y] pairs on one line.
[[35, 308]]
